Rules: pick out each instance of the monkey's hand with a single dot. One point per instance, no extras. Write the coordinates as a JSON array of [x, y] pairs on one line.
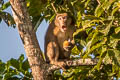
[[67, 45]]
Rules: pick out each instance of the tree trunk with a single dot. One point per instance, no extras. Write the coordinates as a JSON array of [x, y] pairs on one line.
[[29, 39]]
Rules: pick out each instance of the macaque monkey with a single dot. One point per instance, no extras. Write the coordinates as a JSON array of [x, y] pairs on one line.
[[59, 40]]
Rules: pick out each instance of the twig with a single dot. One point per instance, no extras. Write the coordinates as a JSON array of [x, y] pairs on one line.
[[54, 8], [98, 2]]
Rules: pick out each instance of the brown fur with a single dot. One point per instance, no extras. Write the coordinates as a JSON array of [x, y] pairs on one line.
[[55, 37]]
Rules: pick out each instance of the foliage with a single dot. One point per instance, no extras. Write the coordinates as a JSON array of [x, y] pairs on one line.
[[5, 15], [15, 69], [97, 34]]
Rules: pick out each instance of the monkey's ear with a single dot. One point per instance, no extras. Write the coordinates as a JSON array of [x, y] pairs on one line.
[[69, 21], [73, 20]]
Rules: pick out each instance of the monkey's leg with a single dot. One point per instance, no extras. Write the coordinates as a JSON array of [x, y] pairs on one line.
[[53, 54]]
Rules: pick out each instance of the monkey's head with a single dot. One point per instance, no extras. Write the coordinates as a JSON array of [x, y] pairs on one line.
[[63, 21]]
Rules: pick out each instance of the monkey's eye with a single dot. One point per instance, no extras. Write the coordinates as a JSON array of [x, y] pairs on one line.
[[65, 17], [59, 18]]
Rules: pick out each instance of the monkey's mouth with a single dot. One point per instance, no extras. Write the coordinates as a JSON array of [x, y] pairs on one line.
[[64, 28]]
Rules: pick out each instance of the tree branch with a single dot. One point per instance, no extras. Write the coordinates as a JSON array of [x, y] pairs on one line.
[[75, 63]]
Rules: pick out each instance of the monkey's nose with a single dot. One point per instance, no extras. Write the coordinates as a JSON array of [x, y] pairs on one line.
[[64, 24]]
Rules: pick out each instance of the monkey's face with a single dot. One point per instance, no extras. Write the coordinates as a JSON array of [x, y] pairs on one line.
[[62, 21]]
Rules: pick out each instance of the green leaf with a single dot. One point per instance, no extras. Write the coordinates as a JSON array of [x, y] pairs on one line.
[[8, 19], [2, 67], [51, 19], [79, 19], [35, 7], [1, 77], [89, 44], [104, 7], [4, 6], [7, 66], [87, 2], [94, 47], [98, 11], [107, 29], [77, 32], [38, 23], [59, 2], [11, 76], [21, 58], [14, 63], [115, 55], [114, 10], [117, 30], [113, 42], [102, 56], [116, 36], [75, 51], [90, 23], [25, 65]]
